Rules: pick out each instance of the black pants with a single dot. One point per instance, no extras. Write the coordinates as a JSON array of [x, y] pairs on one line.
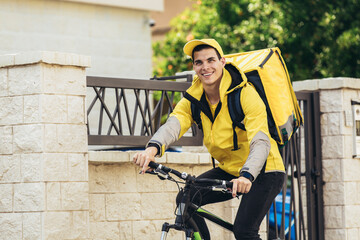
[[253, 206]]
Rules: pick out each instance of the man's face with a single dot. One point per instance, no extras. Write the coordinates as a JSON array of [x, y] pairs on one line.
[[208, 66]]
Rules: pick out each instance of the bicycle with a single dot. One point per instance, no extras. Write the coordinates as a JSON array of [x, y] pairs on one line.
[[186, 208]]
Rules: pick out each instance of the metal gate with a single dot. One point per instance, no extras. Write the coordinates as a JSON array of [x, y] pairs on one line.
[[297, 212]]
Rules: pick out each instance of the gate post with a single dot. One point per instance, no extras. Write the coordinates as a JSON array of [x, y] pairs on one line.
[[43, 146], [341, 190]]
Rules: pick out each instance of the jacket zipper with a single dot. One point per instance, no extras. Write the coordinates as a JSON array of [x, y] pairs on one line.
[[267, 58]]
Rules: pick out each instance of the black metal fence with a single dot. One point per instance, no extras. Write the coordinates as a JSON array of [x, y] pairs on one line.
[[122, 113], [300, 212]]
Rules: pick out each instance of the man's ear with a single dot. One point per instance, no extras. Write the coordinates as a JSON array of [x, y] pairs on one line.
[[223, 61]]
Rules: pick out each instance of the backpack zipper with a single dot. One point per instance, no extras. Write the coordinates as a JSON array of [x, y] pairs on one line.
[[267, 58]]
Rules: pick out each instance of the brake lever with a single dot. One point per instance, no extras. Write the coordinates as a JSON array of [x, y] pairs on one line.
[[221, 188]]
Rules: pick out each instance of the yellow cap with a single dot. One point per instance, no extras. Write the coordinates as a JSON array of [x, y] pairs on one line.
[[189, 46]]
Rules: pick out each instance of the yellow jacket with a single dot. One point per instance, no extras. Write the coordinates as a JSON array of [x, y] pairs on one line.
[[218, 131]]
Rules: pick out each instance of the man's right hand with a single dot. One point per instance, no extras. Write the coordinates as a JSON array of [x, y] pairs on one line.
[[143, 158]]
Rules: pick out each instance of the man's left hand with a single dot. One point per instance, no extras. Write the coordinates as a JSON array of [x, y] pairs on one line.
[[241, 185]]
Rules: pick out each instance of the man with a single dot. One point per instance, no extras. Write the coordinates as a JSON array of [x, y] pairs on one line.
[[256, 167]]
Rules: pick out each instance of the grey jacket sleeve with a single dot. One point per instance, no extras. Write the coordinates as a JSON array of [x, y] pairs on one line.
[[166, 135], [259, 151]]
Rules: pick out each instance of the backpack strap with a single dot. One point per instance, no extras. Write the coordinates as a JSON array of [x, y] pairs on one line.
[[236, 114], [195, 112]]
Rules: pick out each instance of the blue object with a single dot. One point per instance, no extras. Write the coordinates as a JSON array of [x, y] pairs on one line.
[[279, 208]]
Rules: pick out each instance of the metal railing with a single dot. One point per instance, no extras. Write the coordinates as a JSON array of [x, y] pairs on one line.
[[122, 112]]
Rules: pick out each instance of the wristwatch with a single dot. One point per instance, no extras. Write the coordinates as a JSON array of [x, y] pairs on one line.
[[247, 175]]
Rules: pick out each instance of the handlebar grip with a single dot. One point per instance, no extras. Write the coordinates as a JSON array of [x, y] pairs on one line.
[[153, 164]]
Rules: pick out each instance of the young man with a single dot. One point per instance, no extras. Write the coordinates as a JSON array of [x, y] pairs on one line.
[[256, 167]]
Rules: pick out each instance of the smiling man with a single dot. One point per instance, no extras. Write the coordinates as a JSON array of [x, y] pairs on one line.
[[255, 167]]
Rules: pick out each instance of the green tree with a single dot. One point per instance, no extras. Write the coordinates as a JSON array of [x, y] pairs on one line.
[[317, 38]]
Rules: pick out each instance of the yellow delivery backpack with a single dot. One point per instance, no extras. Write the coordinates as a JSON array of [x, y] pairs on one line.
[[266, 71]]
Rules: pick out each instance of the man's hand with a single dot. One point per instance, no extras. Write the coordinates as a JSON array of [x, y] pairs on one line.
[[242, 185], [143, 158]]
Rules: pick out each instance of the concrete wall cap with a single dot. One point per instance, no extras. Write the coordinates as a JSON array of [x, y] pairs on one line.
[[327, 83], [33, 57]]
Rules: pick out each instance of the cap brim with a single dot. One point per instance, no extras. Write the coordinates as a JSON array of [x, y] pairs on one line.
[[189, 47]]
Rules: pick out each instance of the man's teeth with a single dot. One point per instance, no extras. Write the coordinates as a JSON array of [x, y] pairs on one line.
[[207, 74]]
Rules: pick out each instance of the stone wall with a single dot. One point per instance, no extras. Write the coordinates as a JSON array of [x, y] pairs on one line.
[[43, 147], [340, 169], [131, 206]]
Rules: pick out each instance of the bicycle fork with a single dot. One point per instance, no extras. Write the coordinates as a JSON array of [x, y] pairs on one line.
[[189, 233]]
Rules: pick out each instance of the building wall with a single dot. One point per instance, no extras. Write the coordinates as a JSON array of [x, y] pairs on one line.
[[117, 37]]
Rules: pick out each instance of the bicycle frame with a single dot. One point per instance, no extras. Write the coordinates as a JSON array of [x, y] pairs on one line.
[[186, 208]]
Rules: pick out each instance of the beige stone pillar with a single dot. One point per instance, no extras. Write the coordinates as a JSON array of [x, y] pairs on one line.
[[341, 171], [43, 146]]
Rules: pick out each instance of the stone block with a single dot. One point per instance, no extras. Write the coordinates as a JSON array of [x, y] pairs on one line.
[[79, 227], [6, 198], [352, 213], [126, 230], [10, 169], [332, 147], [324, 124], [124, 206], [352, 234], [351, 169], [334, 217], [151, 183], [25, 80], [29, 197], [55, 167], [11, 111], [56, 225], [204, 158], [335, 234], [334, 123], [64, 80], [32, 167], [332, 170], [97, 207], [75, 195], [150, 203], [112, 178], [32, 108], [28, 138], [32, 225], [54, 108], [331, 101], [6, 140], [105, 230], [334, 193], [53, 196], [11, 226], [78, 167], [3, 81], [182, 158], [65, 138], [72, 138], [76, 109], [109, 156], [352, 193], [148, 230]]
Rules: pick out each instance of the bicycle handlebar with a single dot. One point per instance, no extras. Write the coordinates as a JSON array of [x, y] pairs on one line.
[[206, 181]]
